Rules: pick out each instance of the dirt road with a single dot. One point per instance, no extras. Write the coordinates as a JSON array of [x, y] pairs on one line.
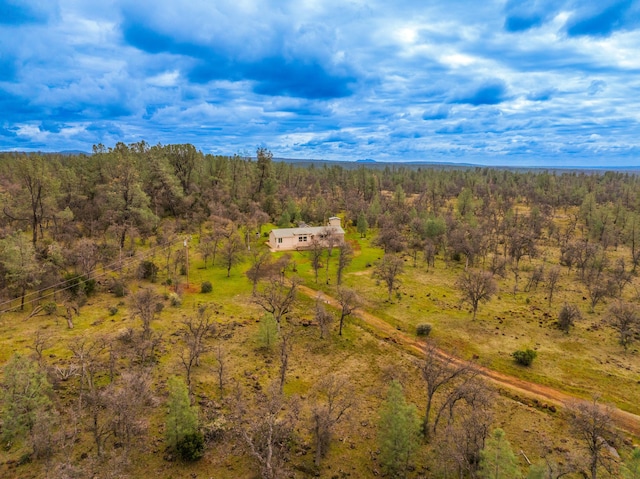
[[624, 420]]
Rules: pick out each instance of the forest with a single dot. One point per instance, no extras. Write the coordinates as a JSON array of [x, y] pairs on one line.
[[474, 323]]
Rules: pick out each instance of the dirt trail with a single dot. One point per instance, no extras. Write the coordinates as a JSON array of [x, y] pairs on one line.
[[624, 420]]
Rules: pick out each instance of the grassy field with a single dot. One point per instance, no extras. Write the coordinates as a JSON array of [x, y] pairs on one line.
[[588, 360]]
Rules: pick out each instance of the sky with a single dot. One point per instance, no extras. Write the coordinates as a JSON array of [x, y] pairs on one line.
[[515, 83]]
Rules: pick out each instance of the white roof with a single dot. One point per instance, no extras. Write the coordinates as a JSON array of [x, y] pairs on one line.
[[307, 230]]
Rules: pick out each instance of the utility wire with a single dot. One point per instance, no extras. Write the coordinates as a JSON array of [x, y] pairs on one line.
[[95, 276]]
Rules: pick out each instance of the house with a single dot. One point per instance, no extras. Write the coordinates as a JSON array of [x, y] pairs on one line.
[[302, 238]]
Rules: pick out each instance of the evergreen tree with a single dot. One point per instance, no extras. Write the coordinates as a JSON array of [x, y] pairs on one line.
[[24, 397], [497, 460], [362, 225], [183, 434], [398, 431], [285, 220]]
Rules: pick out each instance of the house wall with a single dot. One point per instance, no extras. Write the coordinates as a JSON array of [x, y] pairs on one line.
[[288, 243]]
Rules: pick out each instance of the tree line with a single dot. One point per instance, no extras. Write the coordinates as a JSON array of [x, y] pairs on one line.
[[66, 220]]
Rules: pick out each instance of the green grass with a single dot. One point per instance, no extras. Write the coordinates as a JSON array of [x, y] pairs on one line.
[[581, 363]]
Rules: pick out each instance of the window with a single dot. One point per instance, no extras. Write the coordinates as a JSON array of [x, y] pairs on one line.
[[279, 240], [302, 238]]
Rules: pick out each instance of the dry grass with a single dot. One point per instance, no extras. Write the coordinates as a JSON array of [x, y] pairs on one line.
[[585, 361]]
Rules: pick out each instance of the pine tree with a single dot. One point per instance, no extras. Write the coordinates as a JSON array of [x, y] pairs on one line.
[[362, 225], [183, 434], [497, 460], [398, 431], [24, 396]]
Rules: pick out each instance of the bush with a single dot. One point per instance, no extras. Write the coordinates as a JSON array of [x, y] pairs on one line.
[[118, 289], [423, 329], [206, 287], [524, 358], [148, 270], [50, 308], [79, 285], [267, 332], [567, 317], [191, 446], [113, 310], [175, 299]]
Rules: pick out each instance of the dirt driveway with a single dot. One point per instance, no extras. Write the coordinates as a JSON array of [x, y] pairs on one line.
[[624, 420]]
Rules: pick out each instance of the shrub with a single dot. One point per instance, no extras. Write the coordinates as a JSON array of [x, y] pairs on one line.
[[423, 329], [191, 446], [267, 332], [148, 270], [79, 285], [206, 287], [50, 308], [113, 310], [175, 299], [118, 289], [524, 357], [567, 317]]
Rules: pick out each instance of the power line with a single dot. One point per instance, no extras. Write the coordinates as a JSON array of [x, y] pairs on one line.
[[95, 276]]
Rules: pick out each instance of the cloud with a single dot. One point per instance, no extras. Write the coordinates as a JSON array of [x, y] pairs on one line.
[[491, 92], [21, 12], [521, 16], [444, 80], [596, 86], [439, 112], [619, 15], [275, 75], [541, 95]]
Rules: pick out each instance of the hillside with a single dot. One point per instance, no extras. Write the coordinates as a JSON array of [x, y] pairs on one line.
[[105, 304]]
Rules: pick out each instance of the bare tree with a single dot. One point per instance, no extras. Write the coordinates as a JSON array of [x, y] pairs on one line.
[[221, 368], [232, 250], [476, 286], [439, 370], [285, 351], [625, 319], [89, 356], [194, 332], [621, 276], [429, 253], [598, 289], [126, 400], [592, 423], [41, 341], [278, 297], [345, 256], [329, 239], [267, 429], [388, 269], [349, 302], [535, 278], [86, 256], [145, 304], [323, 317], [465, 437], [316, 251], [553, 275], [261, 266], [334, 396]]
